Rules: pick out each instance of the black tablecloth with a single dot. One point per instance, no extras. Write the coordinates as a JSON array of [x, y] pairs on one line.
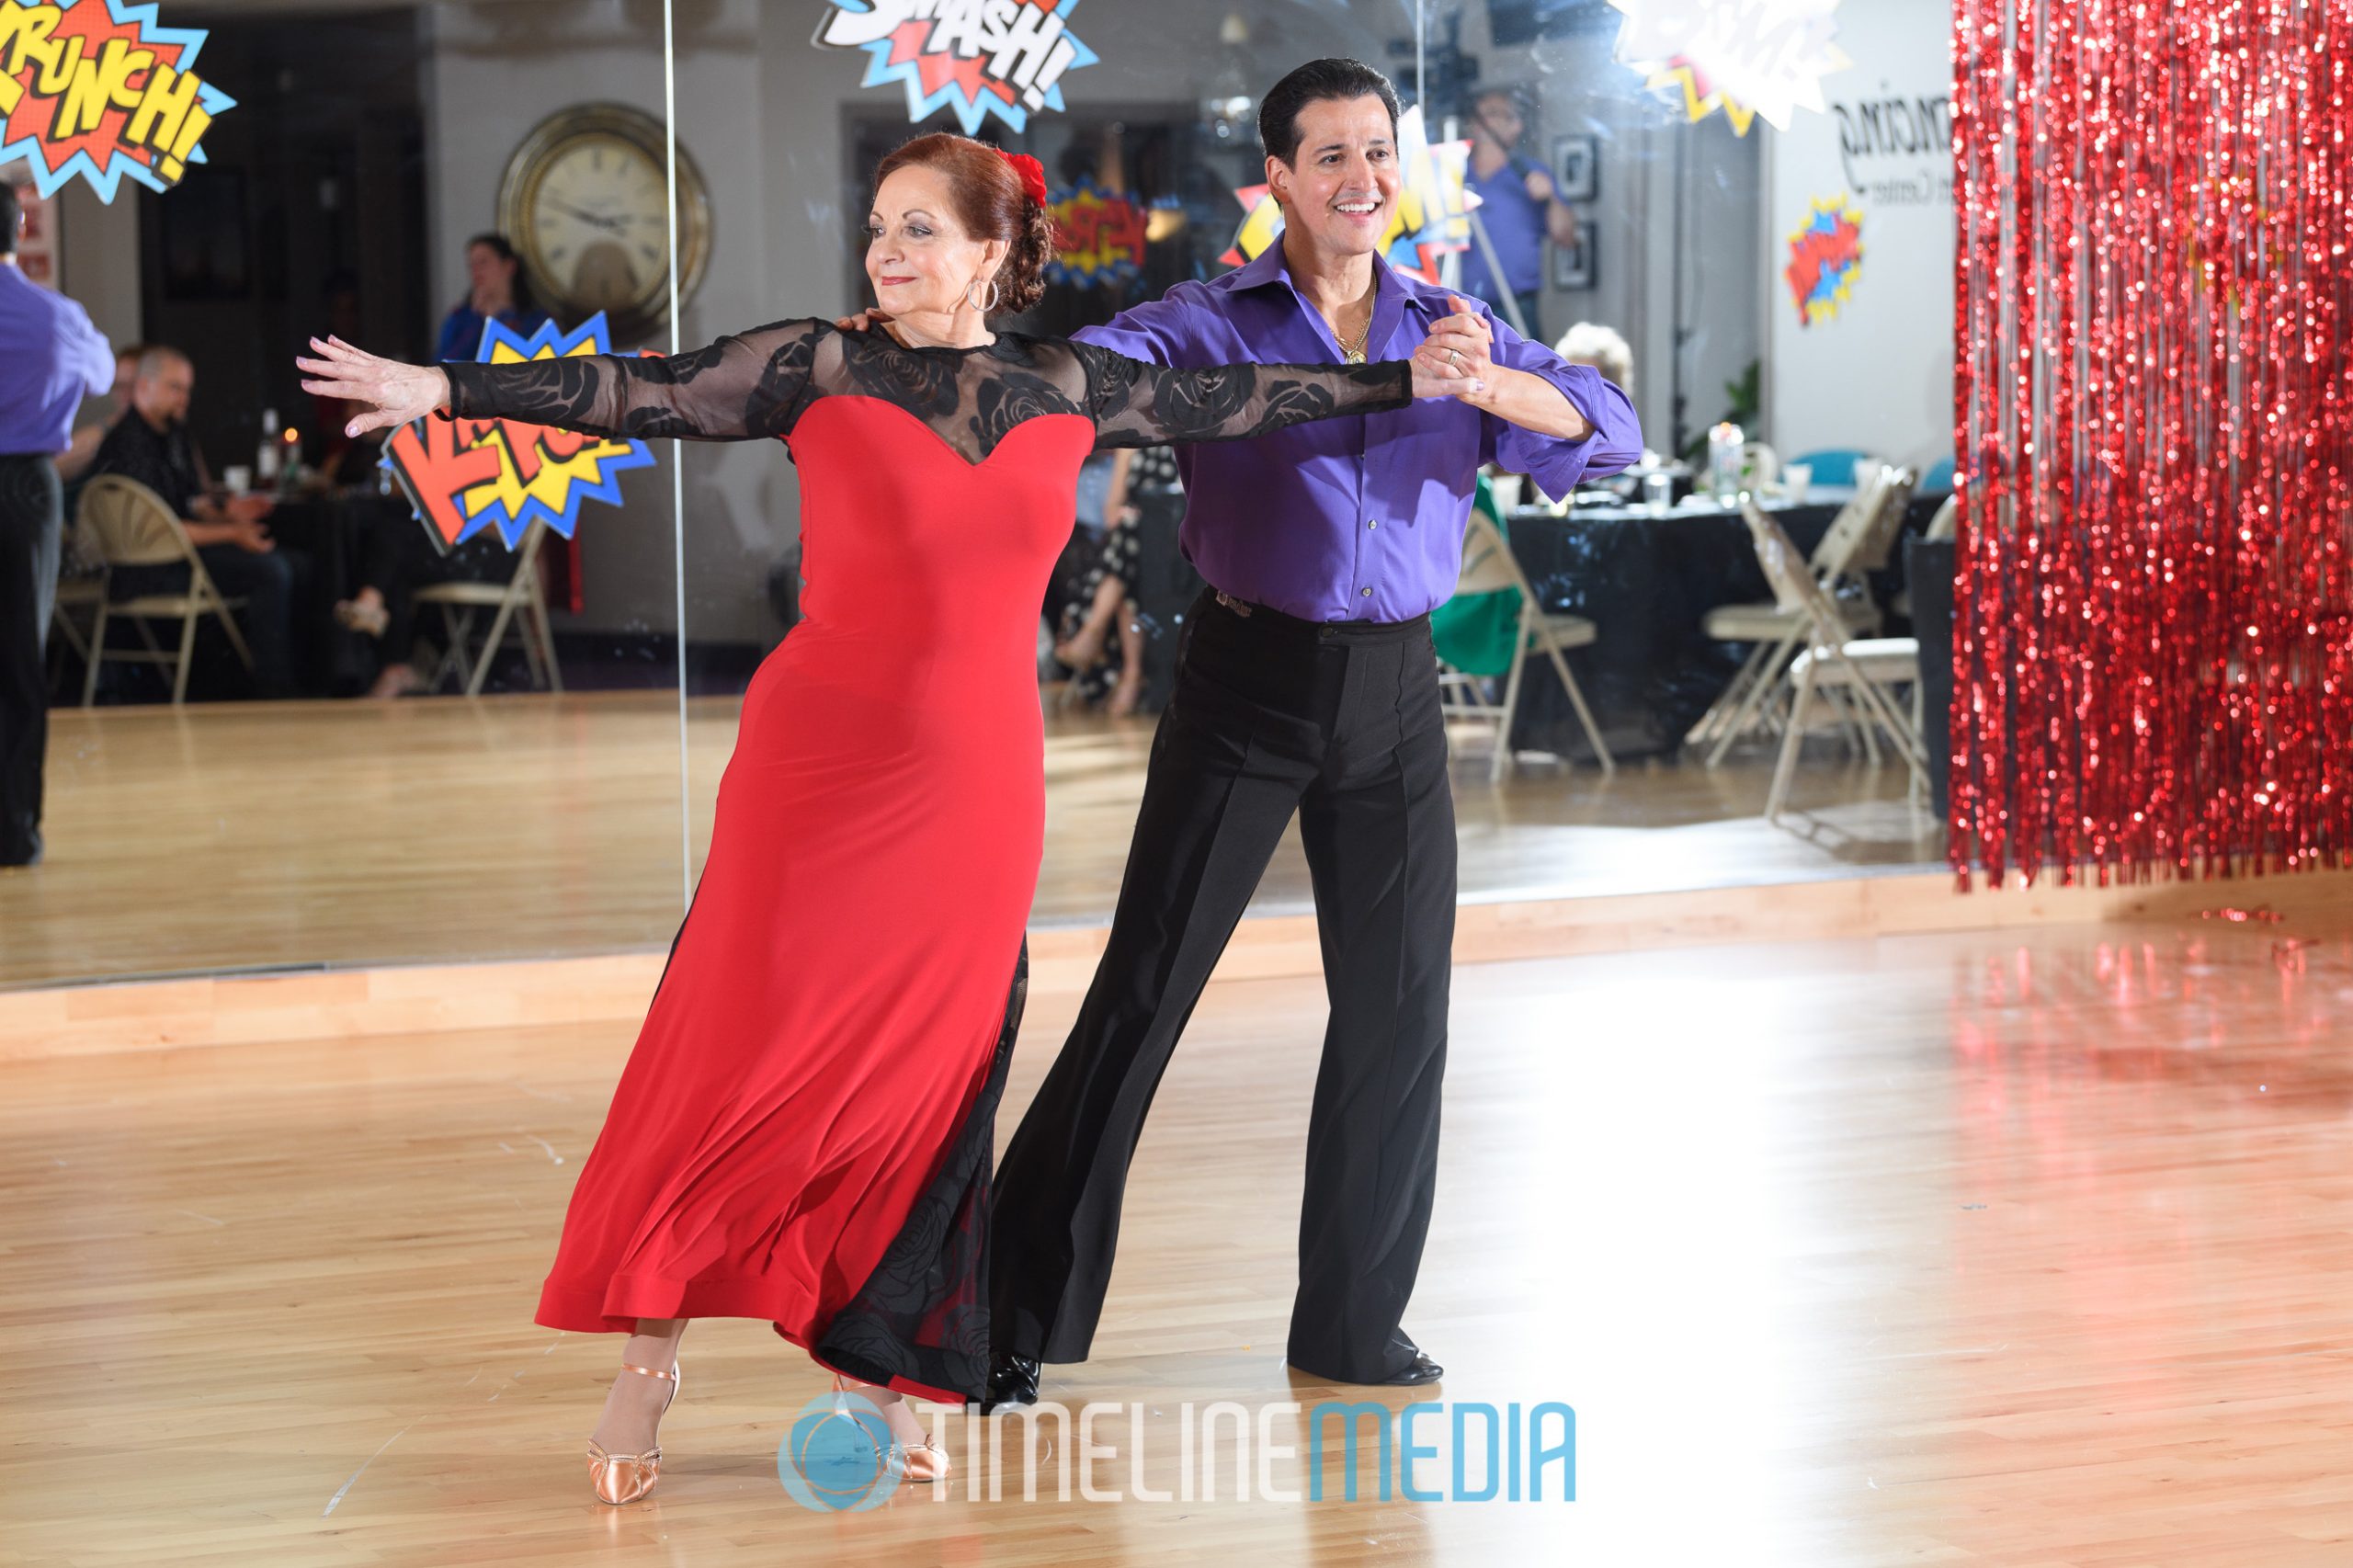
[[1930, 566], [1647, 582]]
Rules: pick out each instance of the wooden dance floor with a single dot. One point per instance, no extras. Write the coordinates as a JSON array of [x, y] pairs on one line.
[[2026, 1249], [262, 837]]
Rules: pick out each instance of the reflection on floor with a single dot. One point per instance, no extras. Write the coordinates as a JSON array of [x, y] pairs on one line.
[[1967, 1249], [1548, 831], [244, 836]]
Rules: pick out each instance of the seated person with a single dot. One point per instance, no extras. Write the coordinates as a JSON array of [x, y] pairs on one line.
[[497, 290], [73, 463], [152, 446], [1590, 342], [396, 561], [1106, 596]]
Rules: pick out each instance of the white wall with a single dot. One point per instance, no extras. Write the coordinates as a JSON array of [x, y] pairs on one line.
[[98, 243], [1878, 375]]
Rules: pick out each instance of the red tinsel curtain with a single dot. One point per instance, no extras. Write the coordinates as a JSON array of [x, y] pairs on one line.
[[2154, 430]]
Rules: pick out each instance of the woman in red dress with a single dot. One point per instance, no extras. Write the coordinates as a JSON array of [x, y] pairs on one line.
[[803, 1134]]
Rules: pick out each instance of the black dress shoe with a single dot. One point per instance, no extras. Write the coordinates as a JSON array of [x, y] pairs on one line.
[[1013, 1382], [1420, 1369]]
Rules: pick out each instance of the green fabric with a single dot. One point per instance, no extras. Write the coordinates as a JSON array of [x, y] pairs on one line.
[[1476, 633]]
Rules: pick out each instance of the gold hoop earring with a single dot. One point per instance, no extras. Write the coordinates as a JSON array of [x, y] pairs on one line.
[[995, 294]]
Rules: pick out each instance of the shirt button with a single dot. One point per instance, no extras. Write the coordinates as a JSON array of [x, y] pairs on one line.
[[1368, 593], [1370, 523]]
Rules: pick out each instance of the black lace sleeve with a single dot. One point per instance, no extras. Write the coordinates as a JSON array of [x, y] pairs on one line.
[[740, 388], [1138, 404]]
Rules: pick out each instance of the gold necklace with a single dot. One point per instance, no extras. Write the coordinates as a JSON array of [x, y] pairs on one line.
[[1354, 353]]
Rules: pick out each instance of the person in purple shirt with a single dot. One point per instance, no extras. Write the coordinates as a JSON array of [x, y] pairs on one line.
[[51, 357], [1306, 683], [1519, 210]]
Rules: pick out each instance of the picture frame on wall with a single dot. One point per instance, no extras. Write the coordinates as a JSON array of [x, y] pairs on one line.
[[1576, 168], [1577, 265]]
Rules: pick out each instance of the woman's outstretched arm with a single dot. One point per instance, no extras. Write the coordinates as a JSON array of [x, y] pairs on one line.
[[743, 387], [1134, 403]]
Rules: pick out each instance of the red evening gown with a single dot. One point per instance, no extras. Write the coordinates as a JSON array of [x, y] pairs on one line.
[[803, 1131]]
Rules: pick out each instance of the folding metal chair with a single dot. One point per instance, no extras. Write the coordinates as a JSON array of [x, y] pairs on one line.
[[1489, 566]]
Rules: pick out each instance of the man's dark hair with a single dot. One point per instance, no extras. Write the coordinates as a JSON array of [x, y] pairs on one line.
[[1313, 82], [8, 219]]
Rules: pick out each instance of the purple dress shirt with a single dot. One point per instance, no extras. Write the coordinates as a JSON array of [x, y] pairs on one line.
[[1355, 519], [49, 354]]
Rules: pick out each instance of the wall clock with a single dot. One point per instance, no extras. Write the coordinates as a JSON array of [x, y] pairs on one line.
[[584, 203]]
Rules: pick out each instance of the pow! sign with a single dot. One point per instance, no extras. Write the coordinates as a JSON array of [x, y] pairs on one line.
[[1826, 257], [97, 88], [464, 475]]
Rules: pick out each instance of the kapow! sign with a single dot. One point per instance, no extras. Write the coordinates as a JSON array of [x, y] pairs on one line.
[[464, 475], [1005, 57], [97, 88]]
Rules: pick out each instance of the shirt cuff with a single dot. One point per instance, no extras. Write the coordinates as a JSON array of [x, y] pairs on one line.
[[1402, 394], [1556, 462]]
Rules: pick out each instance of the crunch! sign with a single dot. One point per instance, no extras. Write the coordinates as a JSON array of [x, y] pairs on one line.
[[97, 88]]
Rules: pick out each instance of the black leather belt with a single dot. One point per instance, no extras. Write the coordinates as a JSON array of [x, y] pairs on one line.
[[1266, 618]]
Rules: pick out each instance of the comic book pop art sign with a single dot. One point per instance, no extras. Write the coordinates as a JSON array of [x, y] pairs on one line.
[[980, 58], [99, 89], [464, 475], [1099, 236], [1745, 57], [1826, 257]]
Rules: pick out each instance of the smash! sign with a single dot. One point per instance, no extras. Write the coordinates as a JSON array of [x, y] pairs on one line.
[[97, 88], [1005, 57], [464, 475]]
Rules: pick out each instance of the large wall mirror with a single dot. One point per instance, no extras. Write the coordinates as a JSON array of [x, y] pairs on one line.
[[1713, 263], [364, 778], [411, 754]]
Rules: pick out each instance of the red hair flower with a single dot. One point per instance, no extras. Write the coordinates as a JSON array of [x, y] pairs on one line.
[[1032, 172]]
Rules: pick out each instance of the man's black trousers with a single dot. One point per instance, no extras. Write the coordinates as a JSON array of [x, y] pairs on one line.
[[1270, 715]]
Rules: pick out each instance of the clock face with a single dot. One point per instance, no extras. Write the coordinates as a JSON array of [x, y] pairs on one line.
[[586, 205], [600, 222]]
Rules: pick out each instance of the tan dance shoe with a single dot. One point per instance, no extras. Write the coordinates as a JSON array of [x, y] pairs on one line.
[[925, 1460], [625, 1478]]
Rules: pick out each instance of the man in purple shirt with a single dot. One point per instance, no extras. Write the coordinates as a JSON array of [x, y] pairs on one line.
[[50, 356], [1306, 683]]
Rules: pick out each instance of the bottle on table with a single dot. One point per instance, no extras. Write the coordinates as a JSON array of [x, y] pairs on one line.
[[265, 459]]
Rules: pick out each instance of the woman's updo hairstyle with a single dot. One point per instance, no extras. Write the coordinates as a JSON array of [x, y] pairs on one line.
[[992, 204]]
